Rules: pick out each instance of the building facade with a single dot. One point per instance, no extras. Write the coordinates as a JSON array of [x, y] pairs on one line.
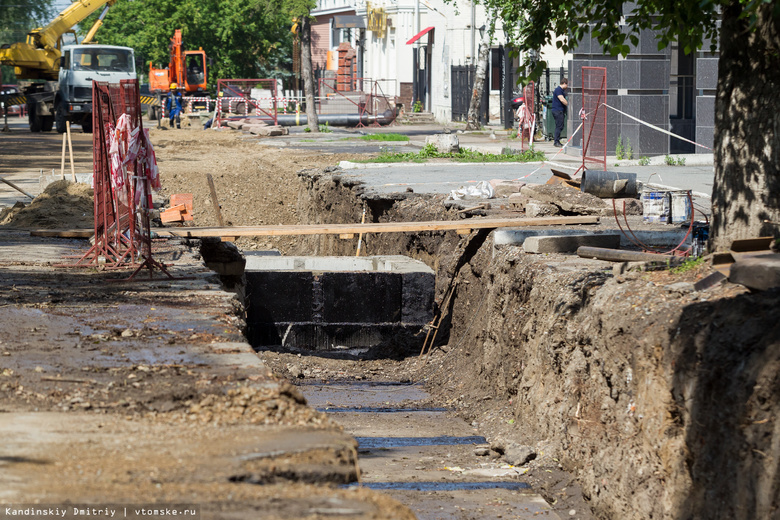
[[410, 48]]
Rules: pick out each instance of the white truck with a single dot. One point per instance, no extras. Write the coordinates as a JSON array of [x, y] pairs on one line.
[[70, 97]]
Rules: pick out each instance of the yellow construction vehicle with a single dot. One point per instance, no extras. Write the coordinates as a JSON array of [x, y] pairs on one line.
[[67, 71]]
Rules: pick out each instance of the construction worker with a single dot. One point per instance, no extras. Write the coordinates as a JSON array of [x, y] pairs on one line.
[[173, 105]]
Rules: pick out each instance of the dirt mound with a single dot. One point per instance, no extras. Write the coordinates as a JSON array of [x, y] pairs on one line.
[[275, 405], [63, 204]]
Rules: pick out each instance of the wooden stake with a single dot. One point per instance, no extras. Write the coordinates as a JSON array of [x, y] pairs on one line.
[[360, 236], [214, 200], [62, 165], [70, 150]]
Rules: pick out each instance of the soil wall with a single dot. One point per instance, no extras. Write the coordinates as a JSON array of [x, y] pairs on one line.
[[662, 401]]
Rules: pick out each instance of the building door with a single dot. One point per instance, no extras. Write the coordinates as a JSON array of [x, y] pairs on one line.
[[461, 87], [682, 114]]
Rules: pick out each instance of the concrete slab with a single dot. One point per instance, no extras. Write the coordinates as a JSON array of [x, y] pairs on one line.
[[330, 302], [569, 243], [760, 272], [654, 237], [568, 199]]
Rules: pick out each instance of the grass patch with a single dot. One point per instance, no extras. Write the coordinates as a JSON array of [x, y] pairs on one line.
[[385, 137], [689, 265], [464, 155]]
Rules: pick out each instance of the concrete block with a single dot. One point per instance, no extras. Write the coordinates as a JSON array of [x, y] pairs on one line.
[[654, 238], [235, 268], [566, 198], [444, 143], [235, 125], [534, 209], [569, 243], [363, 297], [417, 292], [268, 131], [761, 272], [633, 207], [321, 302], [502, 188], [518, 199]]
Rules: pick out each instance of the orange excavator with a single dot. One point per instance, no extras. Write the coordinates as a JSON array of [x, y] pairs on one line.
[[187, 69]]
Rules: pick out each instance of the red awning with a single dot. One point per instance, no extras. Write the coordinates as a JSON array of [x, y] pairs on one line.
[[419, 35]]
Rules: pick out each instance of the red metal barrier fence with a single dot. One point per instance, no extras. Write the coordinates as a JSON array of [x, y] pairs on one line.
[[125, 172], [248, 97], [594, 115]]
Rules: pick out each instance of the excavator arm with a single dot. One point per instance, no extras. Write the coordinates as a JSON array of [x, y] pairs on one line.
[[38, 57]]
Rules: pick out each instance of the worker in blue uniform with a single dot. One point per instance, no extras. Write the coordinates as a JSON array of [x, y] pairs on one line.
[[173, 106]]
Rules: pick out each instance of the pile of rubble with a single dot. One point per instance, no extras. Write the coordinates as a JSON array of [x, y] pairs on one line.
[[257, 127], [275, 404]]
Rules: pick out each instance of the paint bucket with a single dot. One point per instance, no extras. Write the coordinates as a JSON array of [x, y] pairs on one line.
[[655, 206], [679, 207]]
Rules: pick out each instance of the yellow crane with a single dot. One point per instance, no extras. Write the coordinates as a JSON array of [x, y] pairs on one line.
[[39, 56], [68, 70]]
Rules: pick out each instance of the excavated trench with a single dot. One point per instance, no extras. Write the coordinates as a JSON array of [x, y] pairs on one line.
[[660, 401]]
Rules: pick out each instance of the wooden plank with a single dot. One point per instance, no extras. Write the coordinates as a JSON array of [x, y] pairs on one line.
[[62, 233], [338, 229], [346, 236], [383, 227]]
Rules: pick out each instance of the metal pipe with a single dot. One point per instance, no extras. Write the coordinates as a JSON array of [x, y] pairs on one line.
[[606, 184], [619, 255], [331, 119]]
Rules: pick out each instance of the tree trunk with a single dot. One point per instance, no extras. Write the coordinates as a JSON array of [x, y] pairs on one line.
[[479, 84], [308, 75], [746, 192]]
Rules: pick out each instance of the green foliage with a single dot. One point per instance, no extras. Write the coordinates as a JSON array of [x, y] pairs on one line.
[[464, 155], [384, 137], [417, 107], [674, 161], [624, 151], [243, 38], [619, 151], [644, 161], [689, 265], [325, 128]]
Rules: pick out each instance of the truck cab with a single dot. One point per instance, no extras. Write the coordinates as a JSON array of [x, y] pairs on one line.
[[79, 66]]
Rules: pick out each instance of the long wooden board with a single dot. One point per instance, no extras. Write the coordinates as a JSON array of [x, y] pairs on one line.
[[383, 227], [464, 225]]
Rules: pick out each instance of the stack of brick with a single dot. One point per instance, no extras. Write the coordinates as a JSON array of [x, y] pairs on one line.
[[179, 210]]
